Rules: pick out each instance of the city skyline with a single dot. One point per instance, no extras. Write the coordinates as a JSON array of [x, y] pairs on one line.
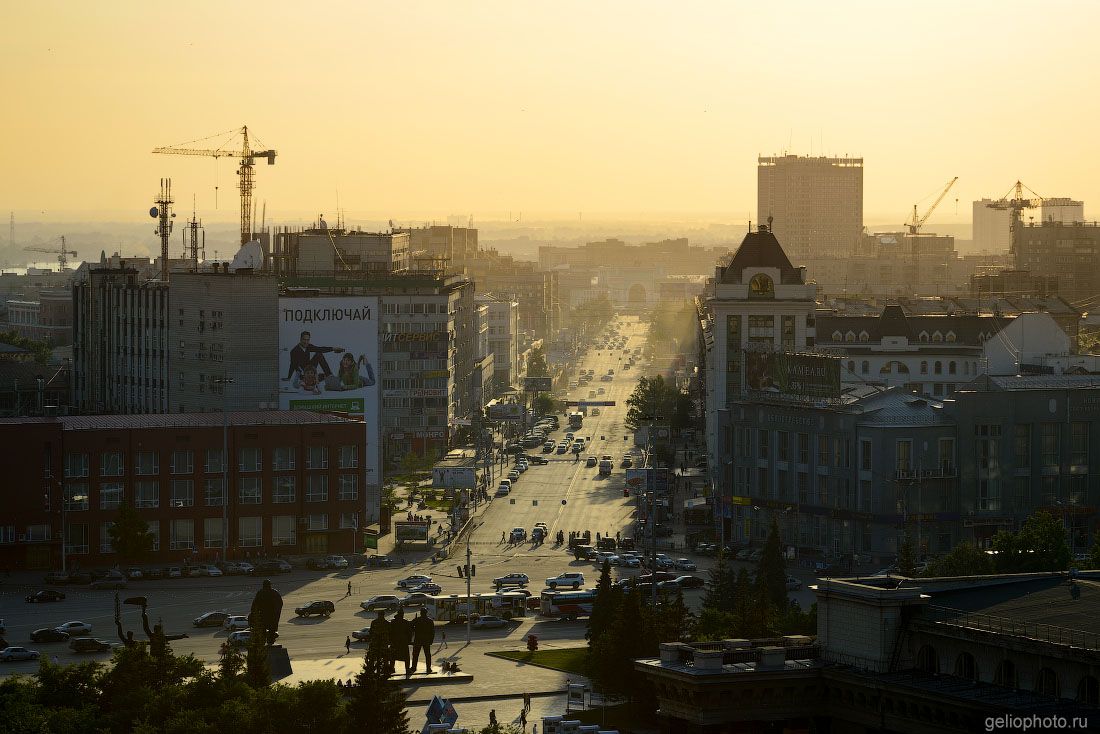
[[629, 109]]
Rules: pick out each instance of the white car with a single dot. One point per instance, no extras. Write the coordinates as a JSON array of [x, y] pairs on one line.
[[521, 467], [608, 556], [75, 628], [241, 637], [14, 654], [685, 564], [488, 621], [513, 476], [336, 561], [416, 599], [414, 580], [569, 578], [630, 562], [209, 570], [236, 622]]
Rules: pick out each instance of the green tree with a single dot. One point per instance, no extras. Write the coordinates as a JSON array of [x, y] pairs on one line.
[[748, 610], [605, 609], [377, 703], [129, 534], [1040, 545], [965, 559], [771, 573], [40, 350], [545, 404], [256, 663], [720, 591], [653, 402], [536, 363], [907, 562]]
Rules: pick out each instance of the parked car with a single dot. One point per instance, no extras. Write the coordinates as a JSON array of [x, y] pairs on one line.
[[569, 578], [626, 462], [686, 564], [111, 582], [173, 572], [743, 554], [45, 595], [690, 582], [88, 644], [322, 608], [793, 583], [74, 628], [235, 622], [518, 535], [538, 460], [382, 601], [133, 572], [415, 580], [630, 562], [379, 561], [361, 634], [80, 577], [668, 586], [511, 579], [271, 565], [489, 621], [590, 461], [17, 654], [583, 552], [56, 577], [210, 619], [235, 568], [241, 638], [153, 573], [48, 634], [513, 476]]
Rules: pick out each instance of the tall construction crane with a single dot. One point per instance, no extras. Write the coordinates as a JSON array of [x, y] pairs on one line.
[[918, 220], [247, 158], [1016, 204], [62, 253]]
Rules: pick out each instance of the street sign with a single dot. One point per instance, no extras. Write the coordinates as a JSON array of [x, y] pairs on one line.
[[591, 403]]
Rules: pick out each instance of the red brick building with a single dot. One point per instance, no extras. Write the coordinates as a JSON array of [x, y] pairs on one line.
[[295, 486]]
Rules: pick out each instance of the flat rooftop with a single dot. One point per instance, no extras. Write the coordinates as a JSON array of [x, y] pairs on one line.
[[1045, 600]]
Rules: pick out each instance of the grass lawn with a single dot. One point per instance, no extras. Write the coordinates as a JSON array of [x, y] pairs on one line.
[[567, 659]]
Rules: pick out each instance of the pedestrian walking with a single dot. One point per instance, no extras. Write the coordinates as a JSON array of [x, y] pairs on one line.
[[347, 645], [349, 589], [444, 638]]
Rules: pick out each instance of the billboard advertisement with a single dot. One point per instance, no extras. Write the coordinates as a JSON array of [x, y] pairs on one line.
[[638, 480], [795, 374], [328, 361], [538, 384], [410, 531]]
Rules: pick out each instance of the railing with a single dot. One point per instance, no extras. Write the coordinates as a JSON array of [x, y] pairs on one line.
[[1012, 627]]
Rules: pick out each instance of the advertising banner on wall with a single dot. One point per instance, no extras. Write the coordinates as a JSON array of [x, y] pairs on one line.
[[328, 361], [410, 531], [795, 374], [538, 384]]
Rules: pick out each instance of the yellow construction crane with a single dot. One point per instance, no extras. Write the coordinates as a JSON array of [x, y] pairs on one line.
[[1016, 204], [247, 158], [918, 221], [62, 254]]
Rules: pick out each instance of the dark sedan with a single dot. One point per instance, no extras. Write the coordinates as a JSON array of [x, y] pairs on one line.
[[690, 582], [48, 634], [44, 596], [210, 619]]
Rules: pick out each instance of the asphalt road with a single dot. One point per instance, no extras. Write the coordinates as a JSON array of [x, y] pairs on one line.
[[591, 502]]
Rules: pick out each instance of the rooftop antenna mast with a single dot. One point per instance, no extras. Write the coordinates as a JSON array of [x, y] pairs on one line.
[[192, 235], [162, 212]]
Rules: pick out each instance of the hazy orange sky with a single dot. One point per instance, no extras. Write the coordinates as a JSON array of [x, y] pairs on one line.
[[431, 108]]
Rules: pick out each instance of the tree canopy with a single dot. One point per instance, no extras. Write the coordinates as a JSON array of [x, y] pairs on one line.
[[129, 534], [536, 363], [1039, 545], [656, 401]]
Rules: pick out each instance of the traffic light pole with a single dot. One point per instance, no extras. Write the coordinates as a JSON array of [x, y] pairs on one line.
[[469, 584]]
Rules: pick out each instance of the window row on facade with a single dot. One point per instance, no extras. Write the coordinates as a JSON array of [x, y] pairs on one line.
[[183, 461], [251, 490]]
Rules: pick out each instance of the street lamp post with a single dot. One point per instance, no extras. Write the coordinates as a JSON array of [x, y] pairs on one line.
[[223, 381]]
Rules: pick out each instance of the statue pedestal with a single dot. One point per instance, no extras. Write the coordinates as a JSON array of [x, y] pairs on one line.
[[278, 660]]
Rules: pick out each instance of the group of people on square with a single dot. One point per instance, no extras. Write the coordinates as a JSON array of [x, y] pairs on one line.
[[398, 635]]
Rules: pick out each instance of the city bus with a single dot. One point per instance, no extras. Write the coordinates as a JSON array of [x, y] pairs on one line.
[[576, 419], [567, 604], [452, 608]]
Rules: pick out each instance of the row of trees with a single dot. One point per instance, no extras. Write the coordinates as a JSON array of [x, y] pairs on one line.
[[40, 350], [1038, 546], [158, 691], [673, 325]]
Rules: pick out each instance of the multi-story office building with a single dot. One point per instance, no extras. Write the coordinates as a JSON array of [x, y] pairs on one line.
[[759, 301], [293, 485], [1062, 210], [320, 250], [223, 327], [535, 290], [1068, 251], [503, 315], [815, 204], [928, 354], [853, 477], [992, 226], [120, 343], [456, 245], [48, 318]]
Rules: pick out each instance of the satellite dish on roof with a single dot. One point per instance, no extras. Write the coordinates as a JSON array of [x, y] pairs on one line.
[[153, 212]]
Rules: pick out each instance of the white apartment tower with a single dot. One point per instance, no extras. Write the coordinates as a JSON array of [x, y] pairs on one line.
[[816, 204]]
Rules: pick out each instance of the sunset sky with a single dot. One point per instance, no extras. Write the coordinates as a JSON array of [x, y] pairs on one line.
[[424, 109]]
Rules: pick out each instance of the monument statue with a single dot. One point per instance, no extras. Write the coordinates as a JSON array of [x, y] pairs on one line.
[[263, 617], [157, 638]]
